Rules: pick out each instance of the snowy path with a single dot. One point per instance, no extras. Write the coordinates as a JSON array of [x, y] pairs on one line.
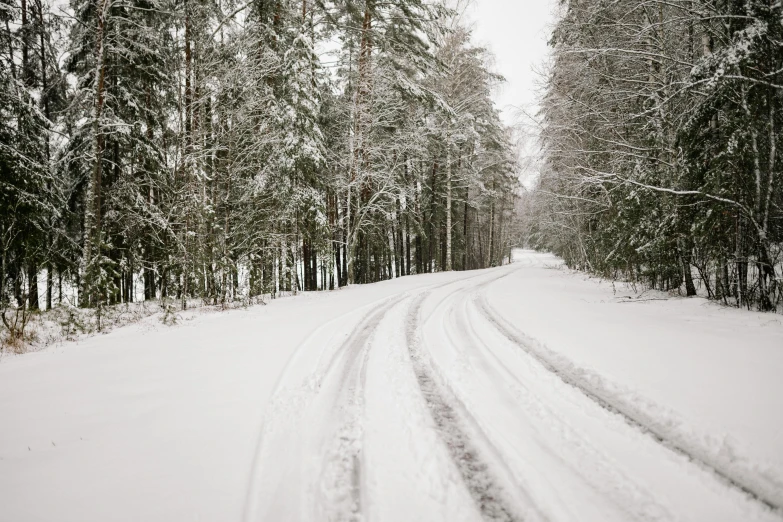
[[573, 458], [417, 399], [430, 410]]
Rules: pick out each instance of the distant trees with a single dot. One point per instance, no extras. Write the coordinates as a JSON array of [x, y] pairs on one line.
[[31, 90], [155, 148], [662, 145]]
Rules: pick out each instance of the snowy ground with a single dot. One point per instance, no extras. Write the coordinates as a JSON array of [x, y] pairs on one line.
[[524, 392]]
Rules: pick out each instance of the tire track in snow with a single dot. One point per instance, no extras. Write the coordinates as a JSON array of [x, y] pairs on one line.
[[331, 393], [344, 465], [342, 473], [483, 487], [467, 346], [577, 378], [308, 462], [564, 442]]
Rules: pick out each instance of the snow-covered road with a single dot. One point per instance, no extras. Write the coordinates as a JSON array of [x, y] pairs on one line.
[[424, 398]]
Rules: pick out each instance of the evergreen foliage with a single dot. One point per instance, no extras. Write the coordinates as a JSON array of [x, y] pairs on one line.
[[225, 151], [662, 146]]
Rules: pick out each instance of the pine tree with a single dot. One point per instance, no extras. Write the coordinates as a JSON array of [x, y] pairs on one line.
[[662, 151]]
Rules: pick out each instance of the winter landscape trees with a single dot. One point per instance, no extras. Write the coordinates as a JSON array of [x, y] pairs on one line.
[[662, 145], [226, 150], [164, 159]]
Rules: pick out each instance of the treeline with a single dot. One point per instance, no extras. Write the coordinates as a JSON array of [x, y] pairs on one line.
[[216, 150], [662, 145]]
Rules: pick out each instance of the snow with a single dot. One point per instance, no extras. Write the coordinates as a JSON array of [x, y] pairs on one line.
[[706, 375], [521, 392], [153, 423]]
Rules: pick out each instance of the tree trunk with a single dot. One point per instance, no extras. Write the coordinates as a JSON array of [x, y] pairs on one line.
[[448, 208], [685, 256], [92, 220], [465, 233], [407, 245], [338, 265], [49, 286], [32, 292], [491, 248], [430, 223]]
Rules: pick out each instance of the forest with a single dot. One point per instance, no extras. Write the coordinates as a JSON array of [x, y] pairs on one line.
[[662, 143], [391, 260], [220, 150]]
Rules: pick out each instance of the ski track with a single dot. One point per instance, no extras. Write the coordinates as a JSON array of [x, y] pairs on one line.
[[502, 431]]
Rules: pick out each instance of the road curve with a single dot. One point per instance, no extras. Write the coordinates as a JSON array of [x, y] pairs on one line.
[[426, 406]]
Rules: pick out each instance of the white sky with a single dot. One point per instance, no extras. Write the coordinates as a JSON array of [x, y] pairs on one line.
[[516, 31]]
